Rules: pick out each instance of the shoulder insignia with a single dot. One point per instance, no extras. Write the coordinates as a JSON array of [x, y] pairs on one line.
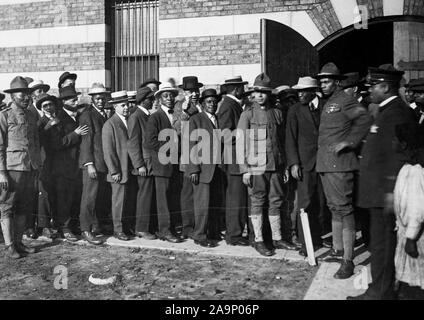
[[332, 108]]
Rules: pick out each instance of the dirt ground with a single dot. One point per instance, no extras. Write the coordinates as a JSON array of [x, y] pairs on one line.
[[147, 274]]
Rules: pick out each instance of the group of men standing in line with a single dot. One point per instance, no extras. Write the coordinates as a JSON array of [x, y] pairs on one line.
[[321, 136]]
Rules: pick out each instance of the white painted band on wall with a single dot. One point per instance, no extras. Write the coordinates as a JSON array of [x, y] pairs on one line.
[[238, 24], [85, 77], [211, 75], [55, 36], [393, 7]]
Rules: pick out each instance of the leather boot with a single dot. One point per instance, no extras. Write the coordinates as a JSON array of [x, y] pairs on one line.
[[346, 270], [262, 249]]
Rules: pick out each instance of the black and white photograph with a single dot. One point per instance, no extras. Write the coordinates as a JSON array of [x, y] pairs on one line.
[[215, 156]]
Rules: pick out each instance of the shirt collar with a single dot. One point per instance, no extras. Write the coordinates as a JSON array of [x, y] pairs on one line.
[[234, 98], [144, 110], [387, 101], [122, 118], [413, 105], [315, 102], [72, 114], [98, 110]]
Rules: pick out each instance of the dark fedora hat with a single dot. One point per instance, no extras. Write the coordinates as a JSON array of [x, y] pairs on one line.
[[66, 75], [143, 94], [417, 85], [330, 70], [149, 80], [68, 92], [45, 97], [190, 82], [18, 84], [384, 73], [209, 93], [353, 79], [262, 83]]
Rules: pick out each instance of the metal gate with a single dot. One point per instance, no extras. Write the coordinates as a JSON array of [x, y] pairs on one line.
[[135, 47]]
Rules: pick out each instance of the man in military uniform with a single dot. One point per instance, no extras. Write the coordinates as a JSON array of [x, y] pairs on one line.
[[379, 166], [19, 160], [344, 122]]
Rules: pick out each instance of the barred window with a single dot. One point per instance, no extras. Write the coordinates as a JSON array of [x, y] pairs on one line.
[[135, 48]]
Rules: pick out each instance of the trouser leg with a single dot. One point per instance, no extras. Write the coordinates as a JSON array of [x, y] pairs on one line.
[[119, 197], [162, 199], [201, 209], [88, 201], [236, 207], [275, 202], [144, 203], [258, 194], [44, 206], [187, 206]]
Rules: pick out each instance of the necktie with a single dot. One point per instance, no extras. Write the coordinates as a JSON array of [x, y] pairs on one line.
[[213, 118], [103, 113], [171, 111]]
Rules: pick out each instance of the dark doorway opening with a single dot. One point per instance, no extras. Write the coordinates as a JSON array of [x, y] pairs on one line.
[[360, 48]]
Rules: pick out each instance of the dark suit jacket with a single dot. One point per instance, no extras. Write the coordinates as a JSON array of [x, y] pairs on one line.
[[302, 136], [115, 148], [381, 158], [91, 149], [64, 143], [228, 118], [342, 119], [137, 133], [157, 122], [207, 168]]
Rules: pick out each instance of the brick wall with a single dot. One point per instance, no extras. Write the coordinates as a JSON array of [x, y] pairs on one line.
[[414, 7], [231, 49], [52, 14]]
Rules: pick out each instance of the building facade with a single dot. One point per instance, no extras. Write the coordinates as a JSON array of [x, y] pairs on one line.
[[121, 43]]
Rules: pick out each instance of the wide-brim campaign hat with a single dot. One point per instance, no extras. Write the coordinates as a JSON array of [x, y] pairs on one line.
[[68, 92], [417, 85], [279, 89], [118, 96], [39, 84], [97, 88], [132, 96], [66, 75], [353, 79], [209, 93], [262, 83], [305, 83], [143, 94], [166, 87], [45, 97], [237, 80], [190, 82], [18, 84], [150, 80], [330, 70], [384, 73], [248, 92]]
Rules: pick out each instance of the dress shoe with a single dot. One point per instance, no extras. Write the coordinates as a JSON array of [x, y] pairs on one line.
[[30, 233], [334, 256], [205, 243], [145, 235], [169, 237], [70, 236], [21, 248], [217, 236], [90, 238], [363, 296], [262, 249], [296, 242], [304, 253], [346, 270], [121, 236], [282, 244], [327, 242], [11, 252], [97, 232], [240, 242]]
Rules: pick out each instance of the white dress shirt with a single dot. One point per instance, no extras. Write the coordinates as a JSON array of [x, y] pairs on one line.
[[72, 114], [124, 120], [169, 115], [147, 112], [212, 118]]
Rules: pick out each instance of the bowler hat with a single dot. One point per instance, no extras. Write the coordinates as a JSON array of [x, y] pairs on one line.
[[262, 83], [149, 80], [190, 82], [306, 83], [417, 85], [166, 86], [18, 84], [353, 79], [330, 70], [97, 88], [66, 75], [131, 96], [384, 73], [143, 94], [45, 97], [39, 84], [209, 93], [67, 93], [118, 96]]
